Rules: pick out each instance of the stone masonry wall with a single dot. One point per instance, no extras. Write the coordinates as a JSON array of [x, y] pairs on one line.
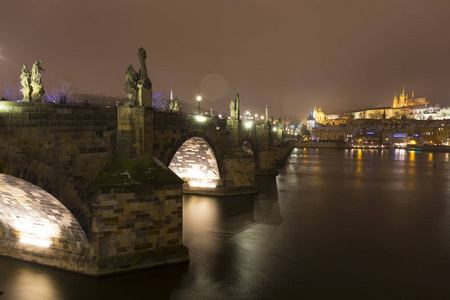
[[74, 140], [127, 224], [134, 130], [239, 176], [172, 130]]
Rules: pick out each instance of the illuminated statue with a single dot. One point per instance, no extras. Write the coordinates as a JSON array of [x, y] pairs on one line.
[[131, 78], [267, 114], [25, 80], [144, 81], [137, 85], [234, 108], [176, 108], [37, 88]]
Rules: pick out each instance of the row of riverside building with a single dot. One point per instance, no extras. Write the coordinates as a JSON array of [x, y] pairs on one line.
[[409, 120]]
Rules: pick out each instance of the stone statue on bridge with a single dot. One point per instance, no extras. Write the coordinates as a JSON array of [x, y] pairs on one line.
[[144, 81], [138, 86], [176, 107], [37, 88], [234, 108], [131, 78], [25, 81], [267, 114]]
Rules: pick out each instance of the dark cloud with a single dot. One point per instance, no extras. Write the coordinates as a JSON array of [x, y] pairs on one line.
[[291, 55]]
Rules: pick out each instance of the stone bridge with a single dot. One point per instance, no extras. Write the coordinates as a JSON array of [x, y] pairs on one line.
[[98, 190]]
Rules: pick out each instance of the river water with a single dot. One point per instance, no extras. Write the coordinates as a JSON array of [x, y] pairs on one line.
[[354, 224]]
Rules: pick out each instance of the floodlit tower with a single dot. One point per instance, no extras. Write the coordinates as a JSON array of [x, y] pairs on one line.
[[395, 104], [403, 97]]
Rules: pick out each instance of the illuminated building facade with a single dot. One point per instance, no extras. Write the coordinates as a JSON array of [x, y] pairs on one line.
[[329, 133], [436, 133], [404, 100]]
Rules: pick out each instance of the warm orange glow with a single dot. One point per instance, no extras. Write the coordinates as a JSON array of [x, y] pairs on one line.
[[413, 142], [412, 155], [196, 164], [27, 215]]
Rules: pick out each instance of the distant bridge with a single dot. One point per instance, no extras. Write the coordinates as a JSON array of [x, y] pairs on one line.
[[102, 199]]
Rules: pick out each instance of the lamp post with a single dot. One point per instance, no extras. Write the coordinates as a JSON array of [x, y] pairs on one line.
[[199, 98]]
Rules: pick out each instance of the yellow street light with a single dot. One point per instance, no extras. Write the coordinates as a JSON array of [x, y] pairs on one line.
[[199, 98]]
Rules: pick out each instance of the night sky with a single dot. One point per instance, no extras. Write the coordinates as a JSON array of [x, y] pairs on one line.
[[291, 55]]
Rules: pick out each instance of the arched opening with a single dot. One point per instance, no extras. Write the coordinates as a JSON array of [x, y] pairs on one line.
[[196, 164], [30, 216]]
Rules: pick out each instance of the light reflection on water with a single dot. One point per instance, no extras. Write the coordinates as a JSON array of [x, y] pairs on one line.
[[333, 224], [25, 283]]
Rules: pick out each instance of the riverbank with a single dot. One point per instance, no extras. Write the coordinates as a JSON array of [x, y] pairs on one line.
[[426, 148], [322, 145], [429, 148]]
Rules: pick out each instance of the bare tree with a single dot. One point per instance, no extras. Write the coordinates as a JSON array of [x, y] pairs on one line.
[[159, 101], [63, 87], [10, 92]]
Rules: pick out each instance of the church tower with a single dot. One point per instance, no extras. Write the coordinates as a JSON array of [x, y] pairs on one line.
[[395, 104], [403, 98]]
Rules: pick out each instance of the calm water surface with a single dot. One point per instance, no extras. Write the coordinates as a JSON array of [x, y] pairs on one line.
[[333, 224]]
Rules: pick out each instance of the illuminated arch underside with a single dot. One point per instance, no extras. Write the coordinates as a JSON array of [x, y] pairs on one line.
[[32, 216], [196, 164]]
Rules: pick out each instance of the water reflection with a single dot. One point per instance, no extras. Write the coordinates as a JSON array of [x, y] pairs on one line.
[[319, 230], [33, 283], [232, 237]]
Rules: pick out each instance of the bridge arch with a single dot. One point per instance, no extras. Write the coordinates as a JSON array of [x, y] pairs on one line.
[[195, 160], [43, 176], [31, 217]]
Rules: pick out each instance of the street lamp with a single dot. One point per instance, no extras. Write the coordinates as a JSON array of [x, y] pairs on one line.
[[199, 98]]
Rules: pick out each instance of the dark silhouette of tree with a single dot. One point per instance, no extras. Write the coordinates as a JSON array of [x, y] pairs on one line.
[[10, 92], [159, 101], [63, 87]]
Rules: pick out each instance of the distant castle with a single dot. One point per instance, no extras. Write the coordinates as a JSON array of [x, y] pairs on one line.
[[405, 101]]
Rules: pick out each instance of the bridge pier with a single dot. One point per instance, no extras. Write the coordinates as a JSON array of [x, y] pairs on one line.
[[137, 216]]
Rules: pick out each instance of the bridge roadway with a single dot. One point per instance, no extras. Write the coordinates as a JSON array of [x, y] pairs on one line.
[[99, 190]]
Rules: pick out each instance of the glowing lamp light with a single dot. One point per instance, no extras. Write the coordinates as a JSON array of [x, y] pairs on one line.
[[200, 118], [274, 129], [248, 124], [199, 98], [207, 184], [35, 234], [413, 142], [35, 241]]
